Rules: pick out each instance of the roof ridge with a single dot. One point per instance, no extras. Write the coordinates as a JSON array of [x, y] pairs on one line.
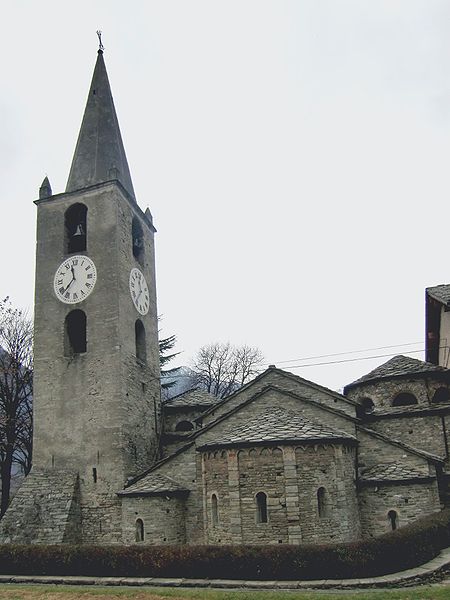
[[401, 366]]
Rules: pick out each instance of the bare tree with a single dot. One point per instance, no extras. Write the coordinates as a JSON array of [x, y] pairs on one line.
[[222, 368], [16, 388]]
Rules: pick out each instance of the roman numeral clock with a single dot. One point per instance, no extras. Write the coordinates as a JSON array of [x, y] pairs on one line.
[[75, 279], [139, 291]]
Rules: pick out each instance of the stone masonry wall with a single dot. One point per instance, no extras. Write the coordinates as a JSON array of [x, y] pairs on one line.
[[290, 478], [409, 500], [423, 432], [216, 481], [374, 451], [333, 468], [45, 511], [163, 517]]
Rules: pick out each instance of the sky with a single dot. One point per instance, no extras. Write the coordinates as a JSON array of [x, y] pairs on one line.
[[294, 155]]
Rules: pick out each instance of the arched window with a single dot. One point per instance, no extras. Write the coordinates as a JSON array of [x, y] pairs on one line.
[[368, 405], [441, 395], [141, 347], [75, 333], [393, 519], [322, 502], [261, 507], [139, 530], [76, 228], [184, 426], [404, 399], [137, 238], [214, 510]]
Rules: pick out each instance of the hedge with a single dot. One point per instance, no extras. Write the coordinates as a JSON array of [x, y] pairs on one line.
[[405, 548]]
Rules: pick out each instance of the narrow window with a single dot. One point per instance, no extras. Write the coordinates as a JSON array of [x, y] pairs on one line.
[[141, 348], [261, 507], [137, 240], [184, 426], [76, 228], [404, 399], [214, 510], [393, 519], [75, 333], [94, 474], [322, 502], [441, 395], [139, 530]]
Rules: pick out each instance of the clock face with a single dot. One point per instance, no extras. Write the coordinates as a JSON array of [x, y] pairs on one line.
[[75, 279], [139, 291]]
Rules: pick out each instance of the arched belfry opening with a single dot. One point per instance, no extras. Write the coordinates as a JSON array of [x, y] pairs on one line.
[[141, 345], [75, 337], [404, 399], [137, 237], [75, 221]]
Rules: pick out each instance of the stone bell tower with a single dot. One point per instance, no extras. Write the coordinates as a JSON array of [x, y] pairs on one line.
[[96, 377]]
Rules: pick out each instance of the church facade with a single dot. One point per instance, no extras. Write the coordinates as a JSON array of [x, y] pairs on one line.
[[280, 461]]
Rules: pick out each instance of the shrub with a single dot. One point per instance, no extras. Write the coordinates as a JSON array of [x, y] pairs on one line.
[[402, 549]]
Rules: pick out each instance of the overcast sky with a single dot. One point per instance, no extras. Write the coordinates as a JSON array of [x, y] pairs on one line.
[[294, 155]]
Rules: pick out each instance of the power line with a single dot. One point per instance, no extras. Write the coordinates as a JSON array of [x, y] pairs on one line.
[[282, 362], [346, 360], [335, 362]]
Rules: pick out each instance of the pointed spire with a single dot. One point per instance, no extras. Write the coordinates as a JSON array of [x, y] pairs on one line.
[[45, 191], [148, 215], [99, 154]]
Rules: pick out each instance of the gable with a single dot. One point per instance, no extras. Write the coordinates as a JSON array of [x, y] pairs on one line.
[[288, 382], [272, 398]]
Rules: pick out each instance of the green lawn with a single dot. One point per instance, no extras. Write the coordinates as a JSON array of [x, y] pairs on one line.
[[56, 592]]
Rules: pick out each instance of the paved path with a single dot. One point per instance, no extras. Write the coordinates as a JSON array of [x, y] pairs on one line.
[[427, 573]]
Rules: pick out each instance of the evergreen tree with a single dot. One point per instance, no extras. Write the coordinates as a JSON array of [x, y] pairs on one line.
[[165, 345]]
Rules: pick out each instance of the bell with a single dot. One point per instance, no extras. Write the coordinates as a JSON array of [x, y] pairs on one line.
[[79, 230]]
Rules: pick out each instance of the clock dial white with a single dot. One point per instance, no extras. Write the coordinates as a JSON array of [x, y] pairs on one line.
[[139, 291], [75, 279]]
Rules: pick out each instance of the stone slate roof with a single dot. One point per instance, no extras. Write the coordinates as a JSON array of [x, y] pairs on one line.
[[398, 366], [392, 472], [441, 293], [154, 484], [99, 128], [277, 425], [406, 410], [192, 398]]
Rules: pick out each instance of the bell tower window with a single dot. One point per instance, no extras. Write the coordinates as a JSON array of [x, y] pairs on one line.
[[141, 347], [76, 228], [75, 333], [137, 237]]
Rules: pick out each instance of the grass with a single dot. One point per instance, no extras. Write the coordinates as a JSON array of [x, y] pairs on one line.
[[57, 592]]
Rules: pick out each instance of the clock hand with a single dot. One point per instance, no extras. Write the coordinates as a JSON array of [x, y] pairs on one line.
[[68, 286]]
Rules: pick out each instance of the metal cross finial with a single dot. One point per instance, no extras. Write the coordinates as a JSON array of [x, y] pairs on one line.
[[101, 47]]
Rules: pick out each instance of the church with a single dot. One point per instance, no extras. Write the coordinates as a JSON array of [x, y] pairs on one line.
[[282, 460]]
